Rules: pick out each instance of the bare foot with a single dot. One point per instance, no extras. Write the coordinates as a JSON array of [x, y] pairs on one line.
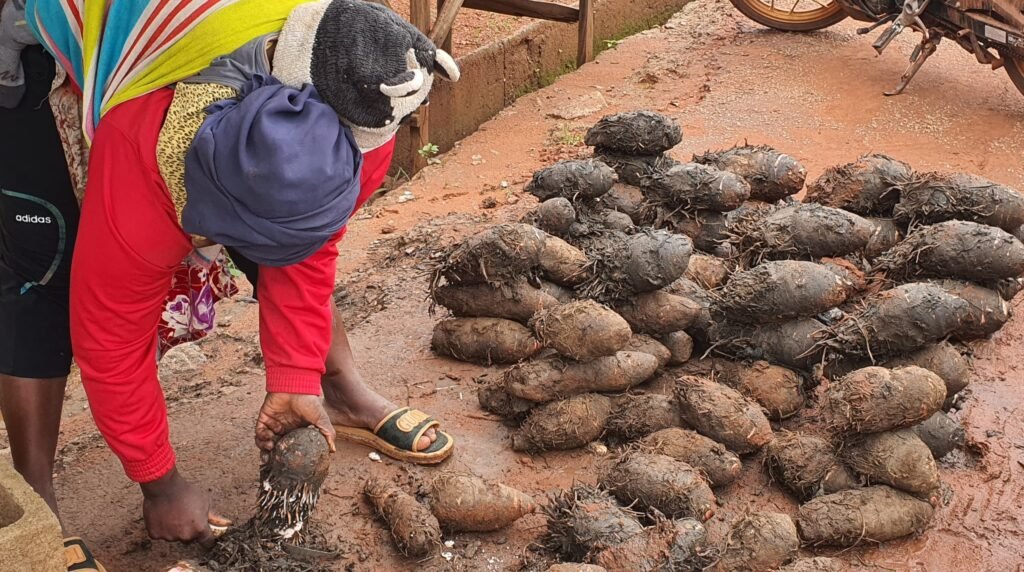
[[350, 402]]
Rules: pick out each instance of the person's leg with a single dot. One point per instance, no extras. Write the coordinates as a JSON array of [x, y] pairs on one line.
[[350, 401], [31, 410]]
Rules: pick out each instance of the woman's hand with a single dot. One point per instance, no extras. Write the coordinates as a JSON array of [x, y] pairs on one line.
[[283, 412]]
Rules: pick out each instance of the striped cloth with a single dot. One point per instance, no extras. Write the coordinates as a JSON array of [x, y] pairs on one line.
[[115, 50]]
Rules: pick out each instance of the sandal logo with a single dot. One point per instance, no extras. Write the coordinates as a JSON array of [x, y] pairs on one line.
[[410, 419]]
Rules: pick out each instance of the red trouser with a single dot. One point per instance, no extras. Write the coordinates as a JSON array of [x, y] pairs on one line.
[[129, 243]]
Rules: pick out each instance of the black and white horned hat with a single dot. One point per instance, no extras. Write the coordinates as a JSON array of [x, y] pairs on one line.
[[365, 61]]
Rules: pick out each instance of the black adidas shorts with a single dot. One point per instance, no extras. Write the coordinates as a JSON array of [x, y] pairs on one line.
[[38, 222]]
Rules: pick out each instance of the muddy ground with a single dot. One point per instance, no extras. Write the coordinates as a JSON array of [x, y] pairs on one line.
[[816, 96]]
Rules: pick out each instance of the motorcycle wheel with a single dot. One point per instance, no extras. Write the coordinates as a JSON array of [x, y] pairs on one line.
[[792, 15], [1014, 69]]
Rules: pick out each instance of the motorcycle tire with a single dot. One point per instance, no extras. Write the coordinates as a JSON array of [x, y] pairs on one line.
[[789, 20]]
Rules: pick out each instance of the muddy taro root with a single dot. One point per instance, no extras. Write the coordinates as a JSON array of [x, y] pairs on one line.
[[625, 265], [876, 399], [563, 263], [816, 564], [494, 399], [680, 346], [941, 433], [658, 313], [796, 343], [772, 175], [567, 424], [777, 389], [708, 456], [800, 231], [484, 340], [807, 465], [498, 255], [871, 514], [414, 529], [938, 197], [585, 520], [290, 483], [634, 416], [668, 545], [899, 459], [648, 345], [943, 360], [582, 330], [692, 186], [627, 199], [901, 320], [955, 249], [466, 503], [554, 216], [722, 414], [552, 378], [635, 133], [986, 310], [582, 179], [636, 170], [886, 235], [782, 290], [517, 300], [868, 186], [708, 271], [759, 541], [660, 482]]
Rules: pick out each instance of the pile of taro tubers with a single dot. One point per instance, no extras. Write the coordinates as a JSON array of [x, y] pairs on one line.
[[831, 336]]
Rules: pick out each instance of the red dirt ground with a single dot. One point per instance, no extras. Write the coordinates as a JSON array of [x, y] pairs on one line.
[[817, 96]]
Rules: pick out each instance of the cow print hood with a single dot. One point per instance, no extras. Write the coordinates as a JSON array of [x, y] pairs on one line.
[[371, 66]]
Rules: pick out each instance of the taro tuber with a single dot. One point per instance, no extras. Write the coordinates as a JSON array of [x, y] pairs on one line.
[[585, 520], [871, 514], [668, 545], [709, 272], [517, 300], [807, 465], [635, 133], [868, 186], [484, 340], [563, 263], [660, 482], [658, 313], [648, 345], [782, 290], [801, 230], [466, 503], [494, 399], [987, 312], [938, 197], [876, 399], [636, 170], [941, 433], [886, 235], [943, 360], [899, 459], [554, 216], [680, 345], [955, 249], [582, 330], [626, 199], [497, 255], [710, 457], [772, 175], [722, 414], [796, 343], [629, 264], [290, 483], [777, 389], [816, 564], [415, 530], [583, 179], [692, 186], [900, 320], [759, 542], [634, 416], [567, 424], [552, 378]]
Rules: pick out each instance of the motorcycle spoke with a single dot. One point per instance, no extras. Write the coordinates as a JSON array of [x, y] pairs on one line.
[[819, 3], [793, 9]]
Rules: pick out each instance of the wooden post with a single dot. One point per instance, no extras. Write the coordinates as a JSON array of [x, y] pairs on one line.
[[441, 34], [585, 49], [419, 16]]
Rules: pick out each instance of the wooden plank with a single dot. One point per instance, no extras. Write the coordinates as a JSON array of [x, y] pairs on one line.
[[419, 16], [446, 43], [442, 30], [585, 46], [527, 8]]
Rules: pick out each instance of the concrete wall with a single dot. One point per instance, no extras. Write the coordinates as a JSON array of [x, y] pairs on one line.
[[496, 75]]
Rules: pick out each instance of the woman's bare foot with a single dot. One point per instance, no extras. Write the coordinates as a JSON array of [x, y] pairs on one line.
[[350, 402]]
